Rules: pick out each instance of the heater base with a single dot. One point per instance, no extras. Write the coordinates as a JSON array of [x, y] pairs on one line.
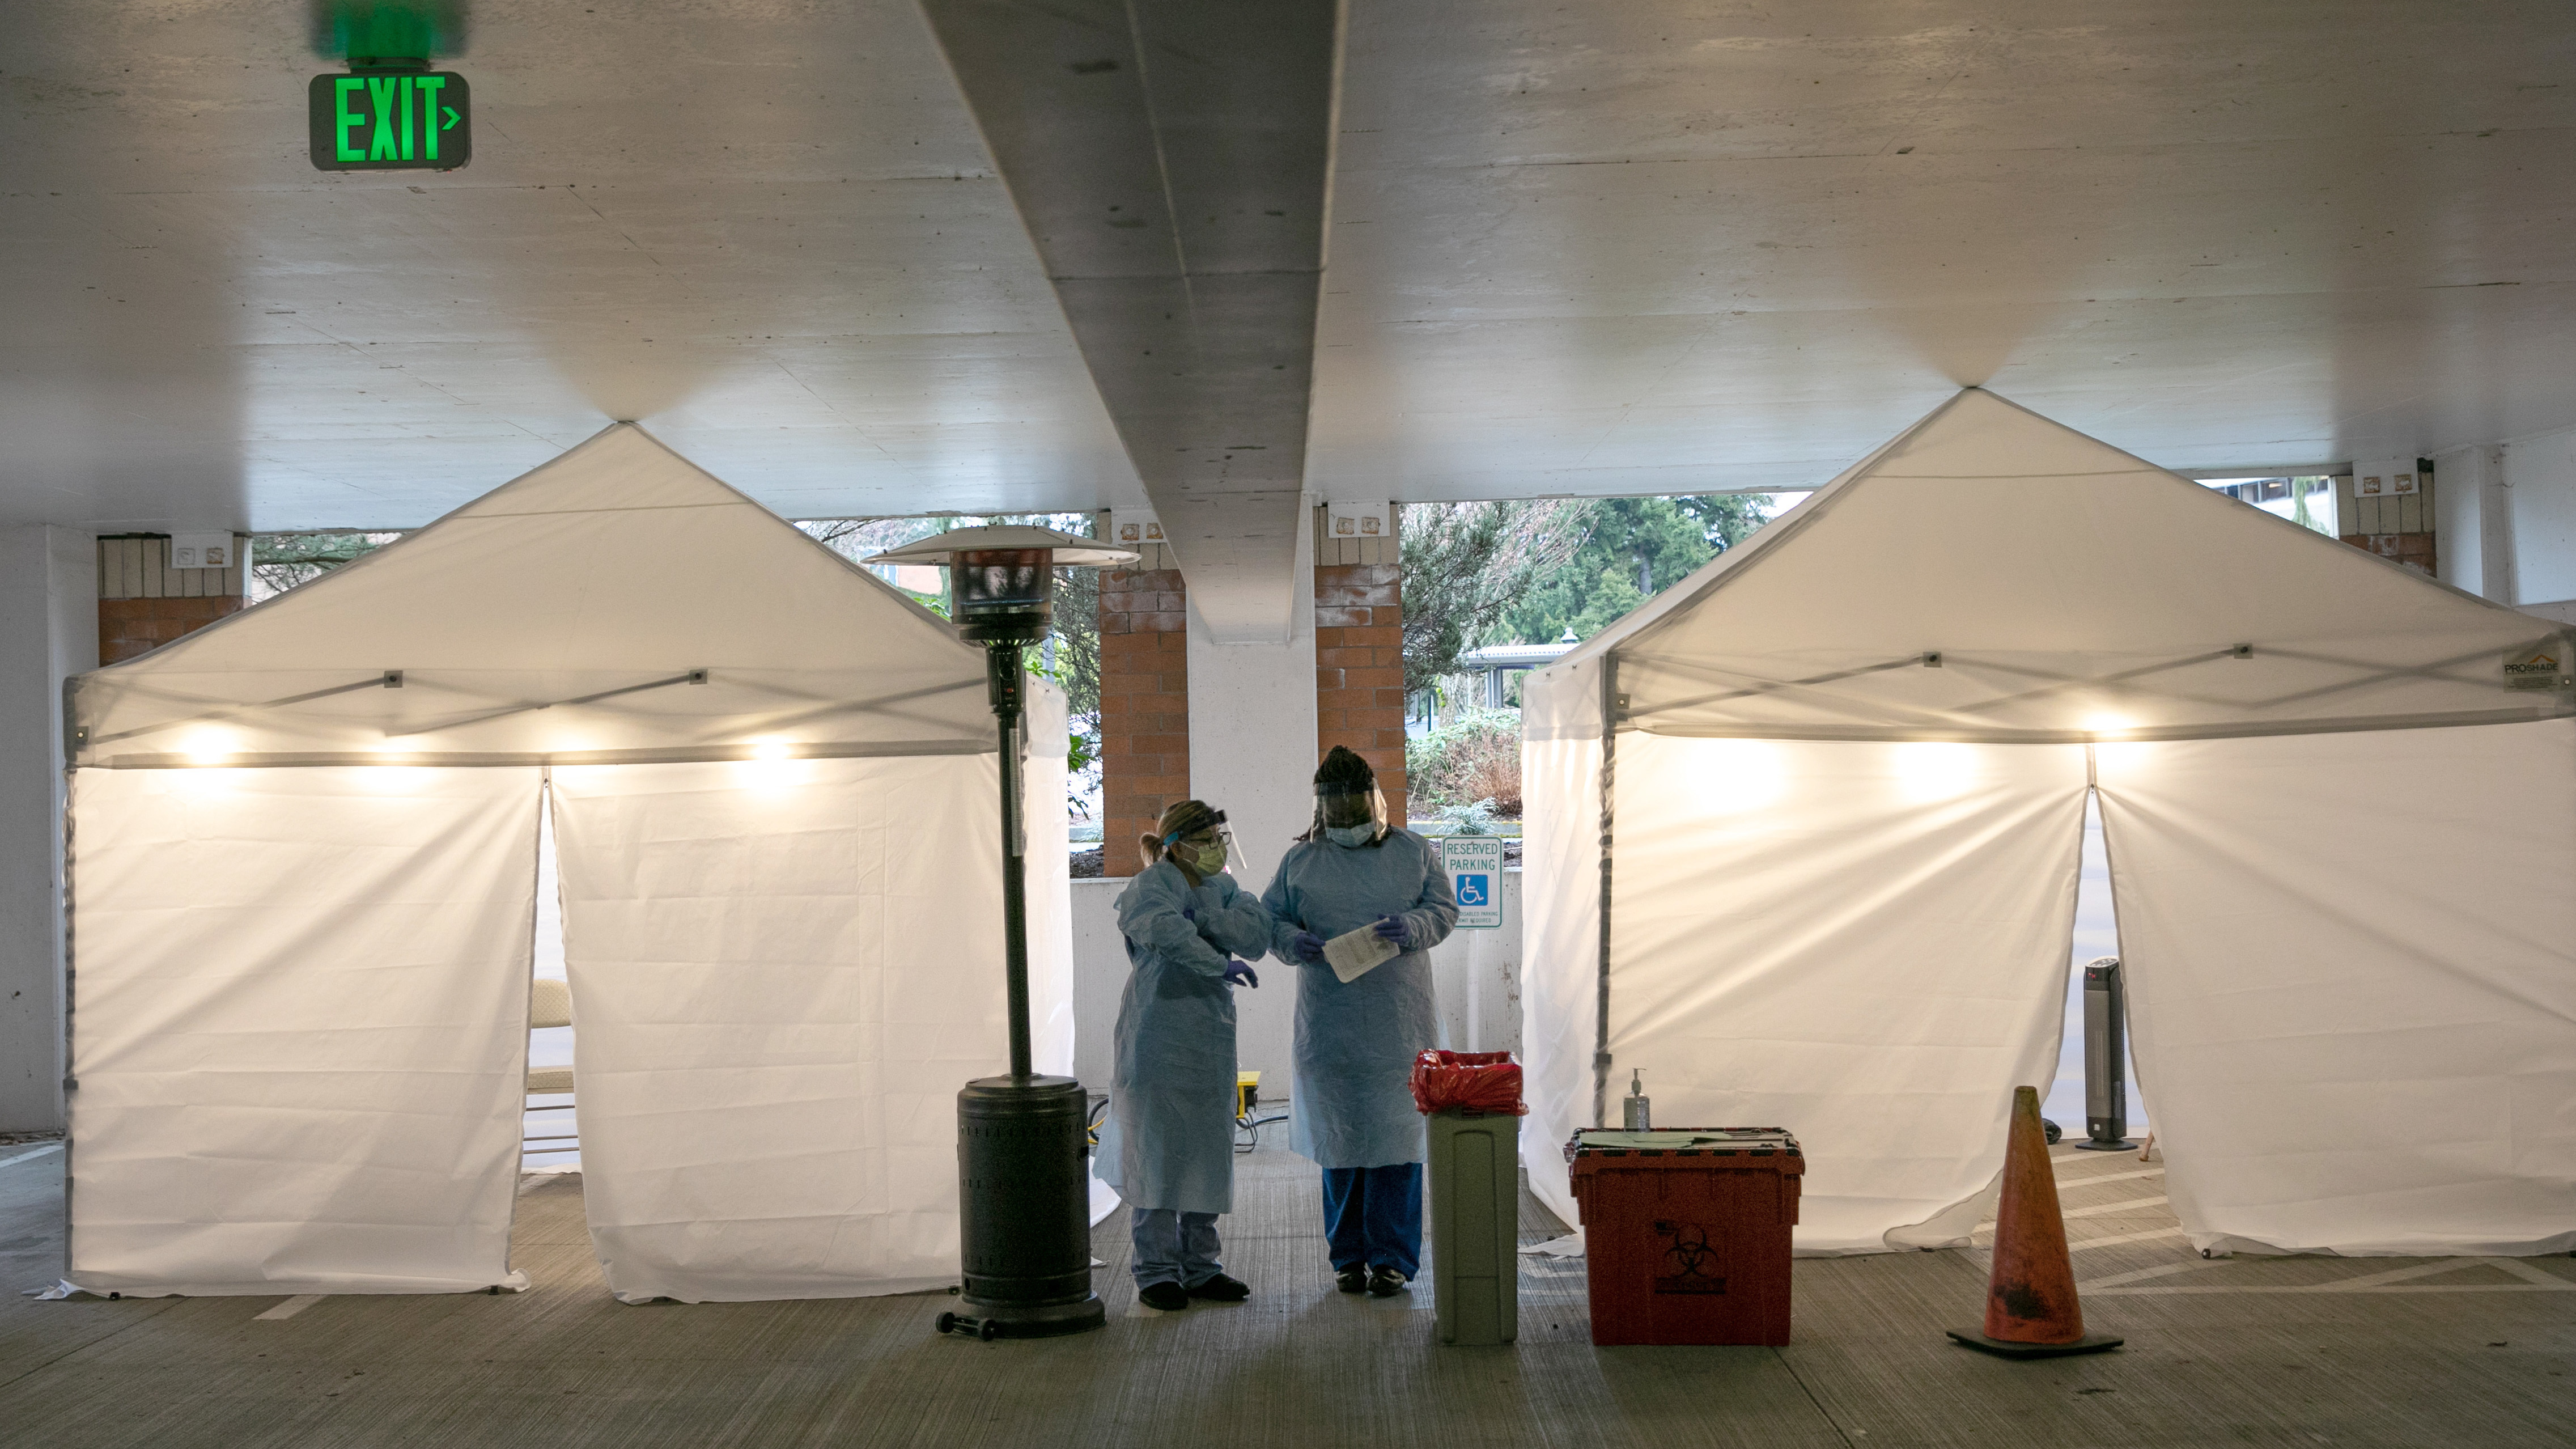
[[1003, 1320], [1024, 1201]]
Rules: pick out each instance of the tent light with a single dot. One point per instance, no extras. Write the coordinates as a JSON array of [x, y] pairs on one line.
[[208, 746], [772, 765], [2109, 724], [1736, 777], [1930, 770], [399, 771]]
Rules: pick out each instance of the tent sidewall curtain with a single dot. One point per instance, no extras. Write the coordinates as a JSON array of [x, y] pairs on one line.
[[2352, 978], [781, 974], [2354, 1006], [301, 1022], [1865, 943], [300, 1028]]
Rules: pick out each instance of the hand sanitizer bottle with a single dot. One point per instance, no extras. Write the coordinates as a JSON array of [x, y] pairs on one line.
[[1638, 1109]]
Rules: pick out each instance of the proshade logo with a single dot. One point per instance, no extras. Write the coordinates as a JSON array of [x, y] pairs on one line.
[[403, 121], [2542, 668]]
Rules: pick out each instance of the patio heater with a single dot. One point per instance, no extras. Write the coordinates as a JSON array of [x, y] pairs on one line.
[[2106, 1058], [1023, 1194]]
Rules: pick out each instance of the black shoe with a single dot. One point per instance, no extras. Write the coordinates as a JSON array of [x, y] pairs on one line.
[[1167, 1296], [1221, 1289], [1386, 1282], [1350, 1280]]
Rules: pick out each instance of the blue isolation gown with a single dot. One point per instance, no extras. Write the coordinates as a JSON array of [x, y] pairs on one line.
[[1350, 1105], [1169, 1141]]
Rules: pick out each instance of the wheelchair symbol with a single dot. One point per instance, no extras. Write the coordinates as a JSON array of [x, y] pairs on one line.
[[1471, 890]]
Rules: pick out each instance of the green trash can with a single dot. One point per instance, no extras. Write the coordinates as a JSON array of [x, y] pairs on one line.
[[1475, 1224]]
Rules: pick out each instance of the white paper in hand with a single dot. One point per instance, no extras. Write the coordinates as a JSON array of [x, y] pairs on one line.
[[1354, 954]]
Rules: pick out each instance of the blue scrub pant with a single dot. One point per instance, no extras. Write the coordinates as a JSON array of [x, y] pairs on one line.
[[1373, 1217], [1174, 1247]]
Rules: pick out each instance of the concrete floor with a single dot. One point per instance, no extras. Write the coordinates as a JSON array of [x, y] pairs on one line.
[[2244, 1351]]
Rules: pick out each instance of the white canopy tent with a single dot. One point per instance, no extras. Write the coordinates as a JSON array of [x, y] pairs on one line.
[[303, 894], [1804, 836]]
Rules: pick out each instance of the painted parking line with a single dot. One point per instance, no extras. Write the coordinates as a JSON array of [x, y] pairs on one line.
[[2117, 1238], [2096, 1211], [38, 1152], [2340, 1288], [2067, 1182], [2166, 1270], [290, 1307], [2108, 1208], [2394, 1280], [1986, 1234]]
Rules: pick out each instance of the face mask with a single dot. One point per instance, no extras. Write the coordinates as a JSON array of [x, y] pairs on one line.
[[1354, 835], [1207, 860]]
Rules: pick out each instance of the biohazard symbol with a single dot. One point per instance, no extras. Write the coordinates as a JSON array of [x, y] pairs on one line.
[[1692, 1264]]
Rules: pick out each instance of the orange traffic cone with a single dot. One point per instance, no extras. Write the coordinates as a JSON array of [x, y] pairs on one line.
[[2031, 1310]]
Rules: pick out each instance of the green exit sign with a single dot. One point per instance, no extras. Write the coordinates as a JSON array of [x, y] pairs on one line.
[[408, 121]]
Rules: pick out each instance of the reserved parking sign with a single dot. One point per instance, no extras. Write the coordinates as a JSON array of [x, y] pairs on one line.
[[1475, 866]]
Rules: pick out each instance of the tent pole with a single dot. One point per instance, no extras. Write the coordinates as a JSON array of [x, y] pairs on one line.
[[71, 979], [1004, 674], [1601, 986]]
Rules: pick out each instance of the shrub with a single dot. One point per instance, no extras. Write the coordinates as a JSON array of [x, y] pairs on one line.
[[1477, 758]]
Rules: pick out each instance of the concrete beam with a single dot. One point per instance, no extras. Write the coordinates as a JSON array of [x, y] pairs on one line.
[[1169, 159]]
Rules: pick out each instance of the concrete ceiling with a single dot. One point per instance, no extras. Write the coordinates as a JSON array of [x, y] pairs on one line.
[[769, 231], [1681, 246], [1650, 247]]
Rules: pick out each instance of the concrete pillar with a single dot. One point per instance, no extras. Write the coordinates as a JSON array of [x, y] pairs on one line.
[[2540, 533], [1359, 652], [1252, 755], [2474, 521], [1144, 702], [48, 631]]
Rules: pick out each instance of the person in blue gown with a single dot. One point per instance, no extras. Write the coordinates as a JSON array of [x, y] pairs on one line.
[[1352, 1107], [1168, 1146]]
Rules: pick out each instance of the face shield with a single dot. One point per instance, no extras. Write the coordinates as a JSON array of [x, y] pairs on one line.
[[1206, 849], [1350, 814]]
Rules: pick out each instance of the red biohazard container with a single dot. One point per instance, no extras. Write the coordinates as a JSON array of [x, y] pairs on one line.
[[1686, 1232], [1474, 1081]]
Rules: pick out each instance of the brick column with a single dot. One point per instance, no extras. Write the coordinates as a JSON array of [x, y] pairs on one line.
[[1359, 654], [1144, 702], [144, 603]]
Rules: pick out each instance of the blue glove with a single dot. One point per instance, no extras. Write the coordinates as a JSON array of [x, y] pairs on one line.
[[1308, 946], [1239, 973], [1392, 928], [1190, 914]]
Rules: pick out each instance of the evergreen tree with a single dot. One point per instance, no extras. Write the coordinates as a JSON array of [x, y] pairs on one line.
[[1635, 549], [1464, 564]]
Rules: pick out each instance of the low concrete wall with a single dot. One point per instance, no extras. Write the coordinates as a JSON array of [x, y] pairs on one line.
[[1099, 974], [1476, 976]]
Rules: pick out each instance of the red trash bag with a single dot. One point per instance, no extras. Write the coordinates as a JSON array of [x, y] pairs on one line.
[[1472, 1081]]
